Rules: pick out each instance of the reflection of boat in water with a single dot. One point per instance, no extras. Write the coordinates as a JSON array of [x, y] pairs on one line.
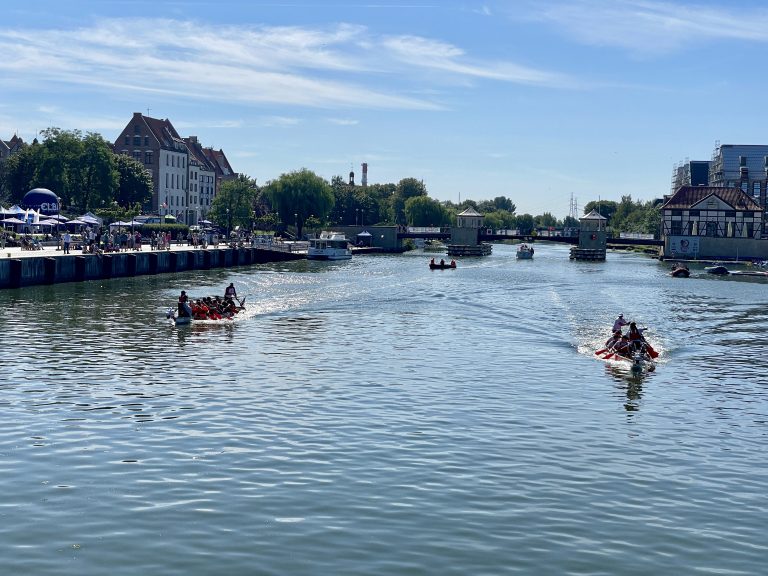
[[525, 252], [680, 271], [329, 246], [717, 270]]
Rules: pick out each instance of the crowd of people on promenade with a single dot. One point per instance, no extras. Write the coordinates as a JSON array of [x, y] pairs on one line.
[[99, 241]]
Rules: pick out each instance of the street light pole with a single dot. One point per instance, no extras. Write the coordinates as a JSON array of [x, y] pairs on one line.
[[296, 221]]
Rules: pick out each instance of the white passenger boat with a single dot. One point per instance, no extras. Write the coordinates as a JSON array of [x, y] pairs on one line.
[[525, 252], [329, 246]]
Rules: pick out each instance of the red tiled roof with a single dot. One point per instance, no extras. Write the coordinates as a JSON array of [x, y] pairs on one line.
[[687, 196]]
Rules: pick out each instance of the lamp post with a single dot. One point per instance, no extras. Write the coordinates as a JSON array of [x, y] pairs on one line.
[[356, 211], [229, 224], [296, 221]]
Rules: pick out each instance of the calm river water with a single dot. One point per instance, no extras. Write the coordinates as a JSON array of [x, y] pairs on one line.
[[376, 417]]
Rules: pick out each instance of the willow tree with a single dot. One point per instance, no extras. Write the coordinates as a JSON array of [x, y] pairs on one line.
[[234, 203], [300, 195]]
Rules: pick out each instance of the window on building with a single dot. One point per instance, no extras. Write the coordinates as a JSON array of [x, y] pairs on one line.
[[756, 189], [146, 140], [676, 229], [127, 140], [166, 179], [137, 140], [148, 157]]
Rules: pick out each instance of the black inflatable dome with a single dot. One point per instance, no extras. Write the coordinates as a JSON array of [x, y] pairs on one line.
[[42, 200]]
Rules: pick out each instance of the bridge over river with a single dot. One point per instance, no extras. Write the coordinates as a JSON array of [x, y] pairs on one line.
[[485, 237]]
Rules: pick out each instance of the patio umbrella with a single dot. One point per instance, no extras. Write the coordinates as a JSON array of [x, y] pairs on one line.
[[12, 221], [88, 219]]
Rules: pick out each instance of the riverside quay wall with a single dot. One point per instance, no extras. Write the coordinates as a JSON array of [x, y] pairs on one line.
[[28, 270]]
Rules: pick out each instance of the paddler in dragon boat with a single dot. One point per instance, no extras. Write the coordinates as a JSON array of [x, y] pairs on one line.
[[626, 345], [213, 308]]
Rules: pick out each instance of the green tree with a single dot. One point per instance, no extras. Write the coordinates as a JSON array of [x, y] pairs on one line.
[[524, 223], [135, 182], [571, 222], [406, 188], [57, 162], [424, 211], [500, 220], [96, 173], [504, 203], [299, 195], [19, 173], [546, 220], [606, 208], [234, 202]]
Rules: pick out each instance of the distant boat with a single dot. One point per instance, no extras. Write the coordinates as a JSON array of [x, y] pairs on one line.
[[525, 252], [442, 265], [718, 270], [329, 246], [680, 271]]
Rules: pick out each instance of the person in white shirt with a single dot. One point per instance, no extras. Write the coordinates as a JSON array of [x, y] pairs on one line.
[[619, 323]]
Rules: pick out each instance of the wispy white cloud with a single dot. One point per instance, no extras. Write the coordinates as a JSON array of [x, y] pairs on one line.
[[343, 121], [440, 56], [344, 66], [653, 27], [280, 121]]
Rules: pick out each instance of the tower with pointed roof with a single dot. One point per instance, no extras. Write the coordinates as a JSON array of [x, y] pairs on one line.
[[593, 238]]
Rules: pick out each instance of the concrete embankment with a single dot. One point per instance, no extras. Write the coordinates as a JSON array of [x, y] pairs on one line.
[[19, 270]]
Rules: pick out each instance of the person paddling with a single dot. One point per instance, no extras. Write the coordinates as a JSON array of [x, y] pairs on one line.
[[184, 309], [619, 323]]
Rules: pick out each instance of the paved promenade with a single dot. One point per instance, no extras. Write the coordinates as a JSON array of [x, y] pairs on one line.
[[49, 265], [52, 251]]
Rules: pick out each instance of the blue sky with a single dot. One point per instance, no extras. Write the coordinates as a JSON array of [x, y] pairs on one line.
[[533, 100]]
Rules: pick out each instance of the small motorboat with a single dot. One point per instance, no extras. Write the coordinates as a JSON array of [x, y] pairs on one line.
[[442, 265], [718, 270], [525, 252], [329, 246], [680, 271]]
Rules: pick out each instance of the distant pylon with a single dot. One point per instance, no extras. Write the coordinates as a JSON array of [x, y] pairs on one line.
[[574, 209]]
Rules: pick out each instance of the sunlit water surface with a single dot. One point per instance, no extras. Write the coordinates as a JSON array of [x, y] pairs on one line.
[[376, 417]]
